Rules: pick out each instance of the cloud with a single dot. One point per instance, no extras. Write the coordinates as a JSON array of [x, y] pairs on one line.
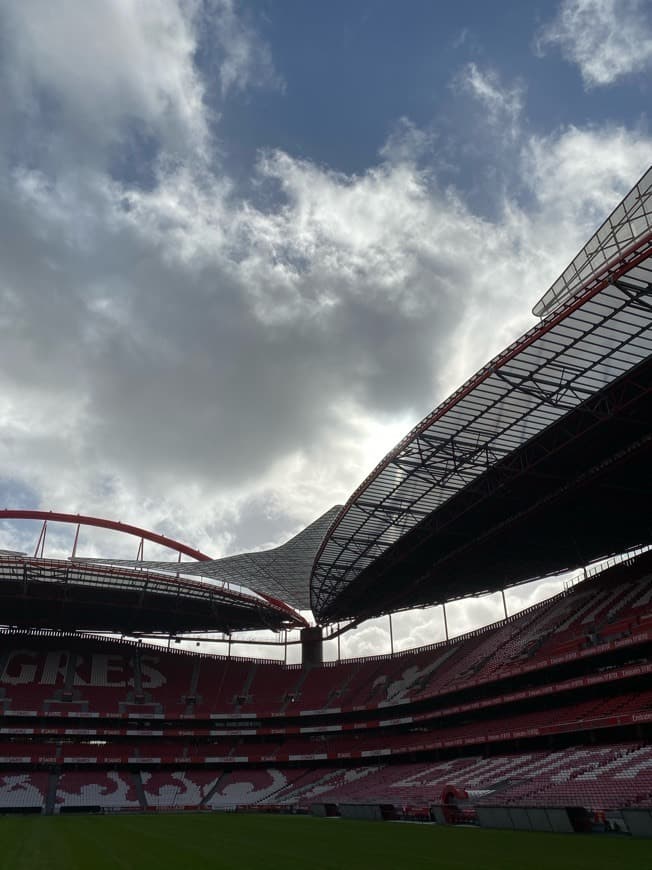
[[503, 104], [188, 341], [607, 39], [422, 627], [244, 59], [106, 74], [118, 84]]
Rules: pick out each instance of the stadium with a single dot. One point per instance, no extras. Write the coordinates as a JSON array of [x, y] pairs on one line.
[[538, 465]]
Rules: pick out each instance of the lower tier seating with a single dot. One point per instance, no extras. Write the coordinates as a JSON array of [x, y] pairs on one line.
[[109, 790], [23, 790], [597, 778], [606, 777], [178, 789]]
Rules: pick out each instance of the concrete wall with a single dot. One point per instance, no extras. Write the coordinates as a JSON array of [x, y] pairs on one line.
[[639, 822]]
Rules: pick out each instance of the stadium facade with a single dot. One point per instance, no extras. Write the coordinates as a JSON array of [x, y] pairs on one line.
[[540, 463]]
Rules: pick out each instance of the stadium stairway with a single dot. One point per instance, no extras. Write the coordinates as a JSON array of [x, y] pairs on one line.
[[638, 590], [216, 786], [194, 682], [311, 780], [140, 790], [138, 677], [336, 694], [4, 658], [51, 794], [247, 684], [69, 683], [291, 783], [296, 689]]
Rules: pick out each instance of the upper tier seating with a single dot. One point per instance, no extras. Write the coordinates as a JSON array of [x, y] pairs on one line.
[[56, 675]]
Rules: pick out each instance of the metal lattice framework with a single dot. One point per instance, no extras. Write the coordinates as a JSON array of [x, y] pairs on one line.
[[628, 223], [89, 591], [283, 572], [38, 591], [600, 330]]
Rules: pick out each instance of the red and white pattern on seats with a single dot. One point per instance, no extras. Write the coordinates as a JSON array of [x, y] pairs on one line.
[[23, 790], [598, 778], [243, 788], [607, 612], [33, 678], [110, 789], [183, 789], [328, 783], [605, 777]]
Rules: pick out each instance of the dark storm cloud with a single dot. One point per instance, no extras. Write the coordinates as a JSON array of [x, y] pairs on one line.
[[193, 363]]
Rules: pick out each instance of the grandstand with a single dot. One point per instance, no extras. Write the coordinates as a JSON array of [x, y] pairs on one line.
[[539, 464]]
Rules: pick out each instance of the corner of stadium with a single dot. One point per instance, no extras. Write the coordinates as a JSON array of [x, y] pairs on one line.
[[539, 465]]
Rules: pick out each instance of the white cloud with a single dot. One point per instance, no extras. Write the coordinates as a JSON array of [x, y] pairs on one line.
[[103, 82], [408, 143], [416, 628], [104, 70], [244, 58], [503, 104], [607, 39]]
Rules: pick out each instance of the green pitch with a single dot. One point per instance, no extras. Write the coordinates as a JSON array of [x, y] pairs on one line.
[[239, 842]]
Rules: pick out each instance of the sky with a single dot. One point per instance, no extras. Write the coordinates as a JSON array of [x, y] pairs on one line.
[[246, 246]]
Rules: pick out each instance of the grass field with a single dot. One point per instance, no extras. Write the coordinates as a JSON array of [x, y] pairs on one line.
[[292, 843]]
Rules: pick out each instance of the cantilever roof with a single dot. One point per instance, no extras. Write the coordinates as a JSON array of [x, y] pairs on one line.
[[283, 572], [38, 592], [600, 329]]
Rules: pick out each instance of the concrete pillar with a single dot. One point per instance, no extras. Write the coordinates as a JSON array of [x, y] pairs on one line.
[[312, 652]]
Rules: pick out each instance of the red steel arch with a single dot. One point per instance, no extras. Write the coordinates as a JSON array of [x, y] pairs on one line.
[[113, 525]]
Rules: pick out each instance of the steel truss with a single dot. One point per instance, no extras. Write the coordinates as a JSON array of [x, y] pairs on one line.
[[493, 486], [282, 572], [96, 589], [629, 222]]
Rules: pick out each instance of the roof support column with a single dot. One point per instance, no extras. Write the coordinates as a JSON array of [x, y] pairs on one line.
[[40, 544], [312, 652]]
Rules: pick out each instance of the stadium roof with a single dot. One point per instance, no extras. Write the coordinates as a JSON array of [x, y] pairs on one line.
[[140, 596], [38, 593], [283, 572], [594, 344]]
